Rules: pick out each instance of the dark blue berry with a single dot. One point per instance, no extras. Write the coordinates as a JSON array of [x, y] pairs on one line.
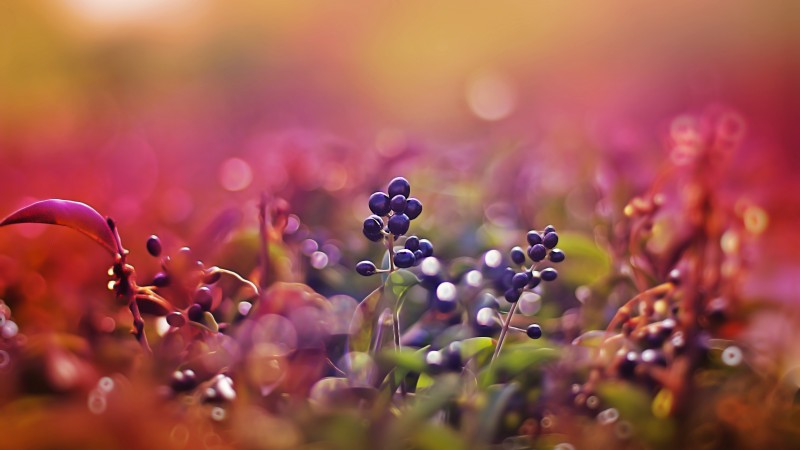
[[373, 225], [398, 224], [154, 245], [379, 204], [374, 237], [399, 186], [161, 280], [413, 208], [452, 356], [550, 239], [537, 252], [534, 238], [535, 279], [506, 277], [549, 274], [517, 255], [534, 331], [412, 243], [404, 258], [195, 313], [520, 280], [512, 295], [549, 229], [398, 204], [203, 298], [418, 255], [366, 268], [426, 247], [556, 255]]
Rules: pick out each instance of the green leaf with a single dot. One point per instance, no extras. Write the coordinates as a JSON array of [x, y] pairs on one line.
[[585, 263], [472, 346], [365, 325], [401, 281], [514, 360], [425, 405], [490, 415], [405, 360]]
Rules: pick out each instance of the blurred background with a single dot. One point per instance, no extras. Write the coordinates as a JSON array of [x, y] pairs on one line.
[[173, 116]]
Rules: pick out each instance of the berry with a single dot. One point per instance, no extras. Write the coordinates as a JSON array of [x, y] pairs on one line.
[[398, 224], [534, 331], [413, 208], [399, 186], [549, 229], [373, 224], [426, 247], [534, 238], [556, 255], [398, 204], [203, 298], [374, 237], [506, 277], [512, 295], [550, 239], [517, 255], [412, 243], [154, 245], [418, 256], [161, 280], [535, 279], [195, 313], [379, 204], [520, 280], [537, 252], [176, 319], [404, 258], [366, 268], [549, 274], [452, 356]]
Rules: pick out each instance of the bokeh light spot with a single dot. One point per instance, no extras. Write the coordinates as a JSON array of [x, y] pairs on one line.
[[235, 174]]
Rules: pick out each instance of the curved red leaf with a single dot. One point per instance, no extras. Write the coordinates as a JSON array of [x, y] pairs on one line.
[[78, 216]]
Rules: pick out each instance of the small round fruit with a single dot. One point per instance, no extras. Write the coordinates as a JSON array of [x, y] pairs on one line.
[[556, 255], [426, 247], [195, 313], [534, 238], [366, 268], [512, 295], [534, 331], [203, 298], [517, 255], [412, 243], [399, 186], [549, 229], [413, 208], [398, 224], [374, 237], [549, 274], [404, 258], [379, 204], [176, 319], [537, 252], [161, 280], [373, 224], [154, 245], [536, 278], [398, 204], [520, 280], [550, 239], [418, 256]]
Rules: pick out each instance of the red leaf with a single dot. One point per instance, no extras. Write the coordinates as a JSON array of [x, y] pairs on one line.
[[78, 216]]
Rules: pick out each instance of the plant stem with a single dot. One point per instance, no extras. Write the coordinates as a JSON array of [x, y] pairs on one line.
[[503, 332]]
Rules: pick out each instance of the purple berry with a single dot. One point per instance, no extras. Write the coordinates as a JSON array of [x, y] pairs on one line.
[[512, 295], [398, 204], [374, 237], [379, 204], [161, 280], [398, 224], [537, 252], [366, 268], [549, 274], [550, 239], [418, 257], [534, 331], [399, 186], [549, 229], [203, 298], [517, 255], [404, 258], [413, 208], [176, 319], [426, 247], [520, 280], [154, 245], [412, 243], [556, 255], [195, 313], [535, 279], [534, 238]]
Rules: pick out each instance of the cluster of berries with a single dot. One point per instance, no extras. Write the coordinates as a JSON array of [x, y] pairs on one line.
[[542, 245], [392, 213]]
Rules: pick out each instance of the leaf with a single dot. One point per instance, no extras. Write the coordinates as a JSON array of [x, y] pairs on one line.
[[78, 216], [515, 360], [365, 324], [490, 414], [443, 391], [592, 339], [401, 281], [472, 346]]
